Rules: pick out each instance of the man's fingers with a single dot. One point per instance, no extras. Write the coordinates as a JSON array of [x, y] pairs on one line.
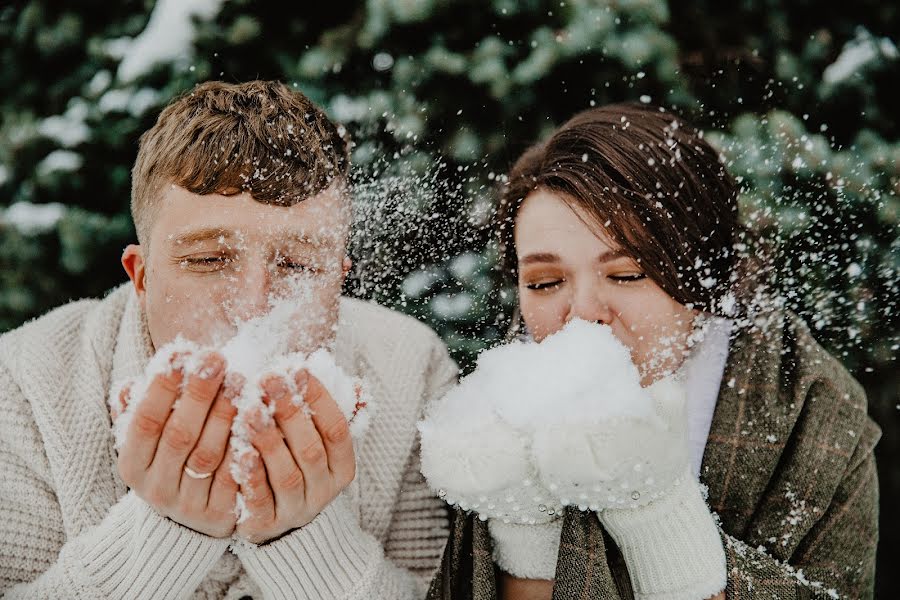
[[150, 417], [254, 486], [334, 431], [300, 435], [285, 476], [209, 453], [210, 449], [222, 491], [183, 428]]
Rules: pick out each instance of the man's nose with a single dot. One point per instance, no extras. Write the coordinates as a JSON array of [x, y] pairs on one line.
[[589, 304], [253, 293]]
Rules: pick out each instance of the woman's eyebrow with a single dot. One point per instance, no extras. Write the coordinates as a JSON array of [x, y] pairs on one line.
[[549, 257], [610, 255], [539, 257]]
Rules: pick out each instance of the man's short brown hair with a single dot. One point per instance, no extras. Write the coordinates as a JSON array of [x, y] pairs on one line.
[[260, 137]]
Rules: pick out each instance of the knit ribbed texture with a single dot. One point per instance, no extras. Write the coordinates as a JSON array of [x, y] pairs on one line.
[[136, 553], [671, 546], [526, 551], [69, 530], [330, 554]]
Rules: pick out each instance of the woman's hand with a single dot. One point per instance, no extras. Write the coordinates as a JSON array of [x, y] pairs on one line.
[[636, 474]]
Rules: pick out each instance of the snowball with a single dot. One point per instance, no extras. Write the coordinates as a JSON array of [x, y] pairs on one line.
[[537, 426]]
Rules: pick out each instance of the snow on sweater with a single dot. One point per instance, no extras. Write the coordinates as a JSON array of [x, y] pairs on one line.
[[69, 528]]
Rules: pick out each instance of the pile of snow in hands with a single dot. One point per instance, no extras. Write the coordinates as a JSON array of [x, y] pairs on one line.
[[261, 347], [536, 427]]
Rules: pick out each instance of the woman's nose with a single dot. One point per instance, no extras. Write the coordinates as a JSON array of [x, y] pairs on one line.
[[590, 305]]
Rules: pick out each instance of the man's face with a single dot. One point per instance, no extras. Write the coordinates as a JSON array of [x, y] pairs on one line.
[[216, 261]]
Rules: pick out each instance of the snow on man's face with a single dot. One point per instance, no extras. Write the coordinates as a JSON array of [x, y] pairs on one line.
[[216, 261], [569, 269]]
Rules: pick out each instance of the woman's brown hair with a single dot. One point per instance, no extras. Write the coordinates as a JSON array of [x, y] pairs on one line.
[[654, 186]]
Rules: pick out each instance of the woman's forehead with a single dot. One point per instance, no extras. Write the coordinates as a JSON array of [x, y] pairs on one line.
[[546, 220]]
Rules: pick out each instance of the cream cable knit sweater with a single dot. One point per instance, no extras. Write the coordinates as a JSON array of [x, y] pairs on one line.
[[70, 529]]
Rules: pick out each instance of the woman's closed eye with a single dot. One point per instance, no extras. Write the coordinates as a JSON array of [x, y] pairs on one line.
[[627, 277], [545, 285]]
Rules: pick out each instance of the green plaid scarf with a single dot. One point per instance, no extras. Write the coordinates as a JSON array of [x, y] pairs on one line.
[[790, 472]]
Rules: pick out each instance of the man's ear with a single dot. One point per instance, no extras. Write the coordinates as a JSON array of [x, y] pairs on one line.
[[346, 265], [133, 262]]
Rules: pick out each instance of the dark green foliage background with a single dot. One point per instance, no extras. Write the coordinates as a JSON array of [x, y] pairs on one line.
[[470, 84]]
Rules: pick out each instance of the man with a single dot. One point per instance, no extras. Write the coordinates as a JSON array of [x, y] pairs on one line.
[[237, 191]]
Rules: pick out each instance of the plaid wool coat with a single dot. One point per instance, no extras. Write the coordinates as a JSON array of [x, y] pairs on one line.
[[791, 475]]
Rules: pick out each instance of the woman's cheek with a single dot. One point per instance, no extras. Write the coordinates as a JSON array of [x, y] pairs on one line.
[[543, 314]]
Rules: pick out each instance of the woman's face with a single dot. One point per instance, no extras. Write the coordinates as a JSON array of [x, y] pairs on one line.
[[568, 270]]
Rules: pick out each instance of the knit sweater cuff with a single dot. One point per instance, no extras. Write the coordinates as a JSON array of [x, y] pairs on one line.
[[327, 558], [672, 546], [137, 553]]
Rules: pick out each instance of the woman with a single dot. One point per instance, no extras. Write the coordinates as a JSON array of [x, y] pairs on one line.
[[625, 216]]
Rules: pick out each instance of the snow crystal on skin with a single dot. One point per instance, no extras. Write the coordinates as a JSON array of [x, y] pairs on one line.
[[524, 434], [240, 508], [257, 342], [347, 392]]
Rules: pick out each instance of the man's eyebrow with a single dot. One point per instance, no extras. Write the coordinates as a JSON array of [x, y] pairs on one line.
[[201, 235], [214, 233], [302, 238]]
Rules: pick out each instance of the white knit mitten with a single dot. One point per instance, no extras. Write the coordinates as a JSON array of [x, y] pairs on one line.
[[526, 551], [671, 546], [634, 471], [478, 461], [537, 427]]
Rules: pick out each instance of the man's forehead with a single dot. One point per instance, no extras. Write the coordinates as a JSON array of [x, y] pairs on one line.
[[188, 218], [187, 235]]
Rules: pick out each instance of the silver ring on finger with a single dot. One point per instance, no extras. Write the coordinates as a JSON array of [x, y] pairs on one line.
[[194, 474]]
